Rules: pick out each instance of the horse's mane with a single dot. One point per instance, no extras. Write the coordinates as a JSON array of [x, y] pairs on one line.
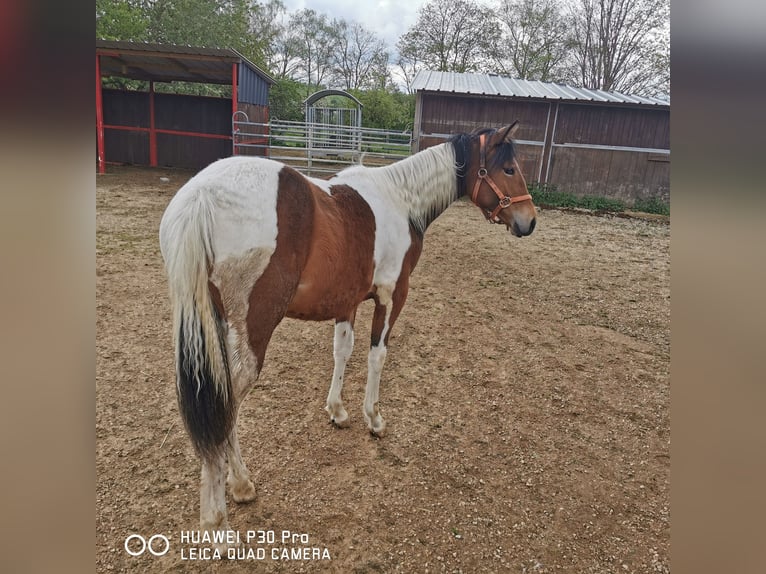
[[505, 152], [424, 183], [429, 181]]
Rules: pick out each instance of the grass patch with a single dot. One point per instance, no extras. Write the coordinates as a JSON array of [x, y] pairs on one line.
[[549, 195], [652, 205]]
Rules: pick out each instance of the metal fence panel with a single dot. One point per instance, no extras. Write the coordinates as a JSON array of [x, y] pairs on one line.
[[318, 148]]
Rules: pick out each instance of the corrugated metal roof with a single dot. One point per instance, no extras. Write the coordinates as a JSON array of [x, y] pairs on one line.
[[493, 85], [166, 62]]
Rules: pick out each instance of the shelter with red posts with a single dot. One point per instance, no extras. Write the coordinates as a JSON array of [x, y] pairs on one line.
[[156, 128]]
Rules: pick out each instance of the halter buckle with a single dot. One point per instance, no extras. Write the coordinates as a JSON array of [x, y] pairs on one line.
[[505, 201], [482, 172]]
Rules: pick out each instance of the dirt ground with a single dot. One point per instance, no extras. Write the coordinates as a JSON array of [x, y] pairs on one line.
[[526, 393]]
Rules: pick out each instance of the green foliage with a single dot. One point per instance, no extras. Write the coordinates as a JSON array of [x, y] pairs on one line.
[[386, 110], [548, 195], [285, 100], [206, 23], [121, 20], [652, 205], [203, 23], [451, 36]]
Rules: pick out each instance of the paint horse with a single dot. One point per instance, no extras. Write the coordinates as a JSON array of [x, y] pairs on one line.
[[249, 241]]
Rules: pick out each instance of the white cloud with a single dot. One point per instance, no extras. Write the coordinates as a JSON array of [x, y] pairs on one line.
[[389, 19]]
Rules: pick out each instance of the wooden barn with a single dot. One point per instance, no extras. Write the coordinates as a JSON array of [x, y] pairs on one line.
[[586, 142], [165, 129]]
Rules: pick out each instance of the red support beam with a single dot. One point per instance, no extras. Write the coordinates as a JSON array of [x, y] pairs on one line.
[[171, 132], [152, 129], [99, 120], [234, 98]]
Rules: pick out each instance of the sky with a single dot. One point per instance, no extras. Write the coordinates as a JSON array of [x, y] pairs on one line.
[[389, 19]]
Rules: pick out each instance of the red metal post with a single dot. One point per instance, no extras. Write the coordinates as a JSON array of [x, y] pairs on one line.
[[152, 129], [99, 120], [234, 80]]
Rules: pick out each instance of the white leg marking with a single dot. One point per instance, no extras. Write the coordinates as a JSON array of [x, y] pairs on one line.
[[213, 497], [375, 361], [241, 487], [343, 345]]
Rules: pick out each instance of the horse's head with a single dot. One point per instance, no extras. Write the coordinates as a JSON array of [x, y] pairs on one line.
[[495, 182]]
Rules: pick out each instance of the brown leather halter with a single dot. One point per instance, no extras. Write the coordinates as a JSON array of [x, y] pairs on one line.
[[483, 175]]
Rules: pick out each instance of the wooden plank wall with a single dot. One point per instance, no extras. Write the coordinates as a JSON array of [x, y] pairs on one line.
[[623, 175], [446, 114], [455, 114], [172, 112], [614, 126], [626, 175]]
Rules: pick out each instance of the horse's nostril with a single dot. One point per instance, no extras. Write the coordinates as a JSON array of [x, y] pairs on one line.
[[532, 226]]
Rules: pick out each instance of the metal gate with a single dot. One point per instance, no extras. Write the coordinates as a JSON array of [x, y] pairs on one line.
[[318, 148]]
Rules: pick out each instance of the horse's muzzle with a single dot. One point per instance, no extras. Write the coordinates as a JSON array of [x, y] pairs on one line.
[[516, 230]]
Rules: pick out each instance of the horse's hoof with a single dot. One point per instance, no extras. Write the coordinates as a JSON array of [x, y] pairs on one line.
[[338, 417], [243, 492], [341, 423], [378, 430]]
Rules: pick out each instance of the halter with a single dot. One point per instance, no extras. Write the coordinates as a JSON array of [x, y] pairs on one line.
[[483, 175]]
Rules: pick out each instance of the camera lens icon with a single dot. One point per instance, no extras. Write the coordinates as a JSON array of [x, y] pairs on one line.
[[145, 545]]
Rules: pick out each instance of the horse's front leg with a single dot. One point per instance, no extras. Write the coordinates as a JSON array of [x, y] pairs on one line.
[[375, 361], [388, 304], [343, 345]]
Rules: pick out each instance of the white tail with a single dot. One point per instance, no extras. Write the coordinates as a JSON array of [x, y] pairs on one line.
[[203, 380]]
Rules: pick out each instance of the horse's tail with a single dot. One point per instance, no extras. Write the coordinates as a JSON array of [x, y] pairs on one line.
[[203, 378]]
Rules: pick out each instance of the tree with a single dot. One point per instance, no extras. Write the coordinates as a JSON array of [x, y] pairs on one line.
[[451, 36], [386, 110], [121, 20], [408, 62], [316, 41], [206, 23], [286, 100], [281, 43], [361, 60], [620, 45], [534, 43]]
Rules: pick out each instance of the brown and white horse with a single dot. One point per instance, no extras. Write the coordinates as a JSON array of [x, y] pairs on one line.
[[249, 241]]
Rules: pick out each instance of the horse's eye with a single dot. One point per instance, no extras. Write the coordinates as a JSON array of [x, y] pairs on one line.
[[508, 171]]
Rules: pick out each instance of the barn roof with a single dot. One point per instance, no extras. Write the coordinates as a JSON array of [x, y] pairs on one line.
[[167, 62], [494, 85]]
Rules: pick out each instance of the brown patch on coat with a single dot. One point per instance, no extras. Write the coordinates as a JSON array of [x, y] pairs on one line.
[[339, 270], [322, 266], [273, 290]]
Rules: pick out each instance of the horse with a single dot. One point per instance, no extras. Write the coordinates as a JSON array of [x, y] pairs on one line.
[[248, 241]]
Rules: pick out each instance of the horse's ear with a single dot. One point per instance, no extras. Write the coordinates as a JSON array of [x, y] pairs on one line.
[[508, 132]]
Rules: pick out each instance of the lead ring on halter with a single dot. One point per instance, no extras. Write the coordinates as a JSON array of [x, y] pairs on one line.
[[483, 175]]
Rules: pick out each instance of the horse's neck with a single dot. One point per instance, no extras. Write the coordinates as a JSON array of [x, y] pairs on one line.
[[426, 183]]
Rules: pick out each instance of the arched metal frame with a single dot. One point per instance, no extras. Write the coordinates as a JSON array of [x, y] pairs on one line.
[[332, 131]]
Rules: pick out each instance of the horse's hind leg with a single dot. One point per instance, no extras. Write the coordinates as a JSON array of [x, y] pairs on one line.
[[343, 345], [241, 487], [244, 372], [213, 493]]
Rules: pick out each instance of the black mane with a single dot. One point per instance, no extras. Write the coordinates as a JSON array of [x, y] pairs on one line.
[[504, 153]]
